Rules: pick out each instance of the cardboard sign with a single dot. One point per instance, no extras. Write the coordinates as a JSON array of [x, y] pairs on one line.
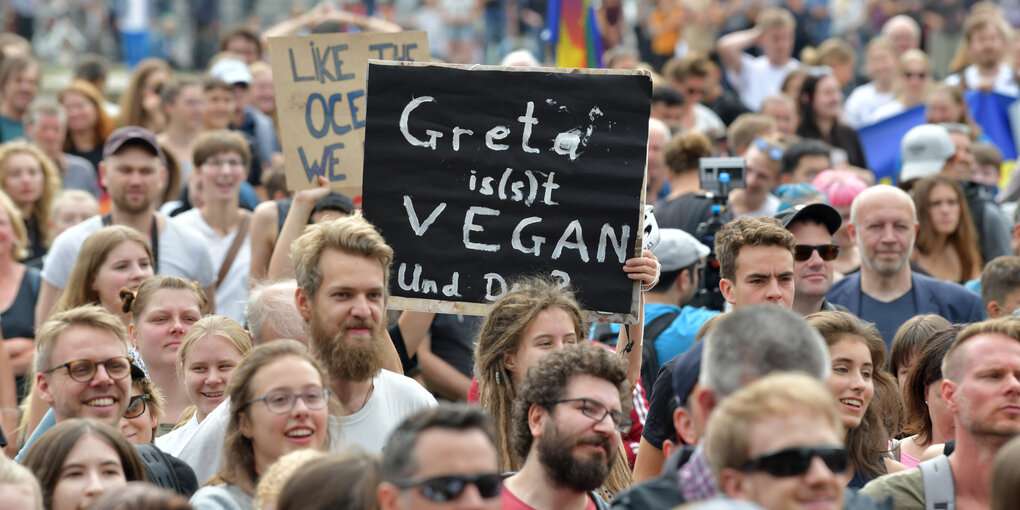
[[478, 177], [319, 82]]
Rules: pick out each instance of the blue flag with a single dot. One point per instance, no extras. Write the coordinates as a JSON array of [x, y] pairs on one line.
[[990, 110], [881, 142]]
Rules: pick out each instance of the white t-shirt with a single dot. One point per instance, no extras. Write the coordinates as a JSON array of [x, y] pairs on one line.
[[180, 253], [173, 441], [706, 121], [862, 102], [758, 79], [1004, 81], [233, 291], [394, 398]]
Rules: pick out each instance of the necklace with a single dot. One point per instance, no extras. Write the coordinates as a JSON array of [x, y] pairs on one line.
[[368, 395]]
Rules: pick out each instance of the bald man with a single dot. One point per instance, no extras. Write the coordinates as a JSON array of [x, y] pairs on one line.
[[885, 291]]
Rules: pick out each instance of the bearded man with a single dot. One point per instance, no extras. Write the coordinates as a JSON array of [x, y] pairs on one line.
[[341, 269]]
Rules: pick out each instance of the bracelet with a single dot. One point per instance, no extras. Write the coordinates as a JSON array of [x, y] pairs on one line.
[[645, 287]]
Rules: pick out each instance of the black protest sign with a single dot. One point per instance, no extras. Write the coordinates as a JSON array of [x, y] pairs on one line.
[[477, 177]]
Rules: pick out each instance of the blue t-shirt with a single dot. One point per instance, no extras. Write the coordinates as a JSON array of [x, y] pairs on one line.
[[679, 336], [10, 129], [888, 317]]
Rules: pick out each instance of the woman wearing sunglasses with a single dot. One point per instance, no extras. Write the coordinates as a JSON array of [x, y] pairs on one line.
[[278, 403], [867, 396], [946, 244], [140, 419]]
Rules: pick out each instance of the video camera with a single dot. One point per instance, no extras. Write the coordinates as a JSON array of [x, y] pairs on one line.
[[718, 177]]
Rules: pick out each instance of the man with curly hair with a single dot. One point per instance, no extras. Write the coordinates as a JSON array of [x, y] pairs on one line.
[[567, 422]]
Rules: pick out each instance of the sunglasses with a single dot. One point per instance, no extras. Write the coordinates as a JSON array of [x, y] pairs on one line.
[[921, 75], [774, 153], [797, 461], [828, 252], [442, 489]]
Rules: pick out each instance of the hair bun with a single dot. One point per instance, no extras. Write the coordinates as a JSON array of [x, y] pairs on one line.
[[127, 298]]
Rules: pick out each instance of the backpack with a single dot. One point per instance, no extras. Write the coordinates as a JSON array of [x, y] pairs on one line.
[[939, 487], [649, 358]]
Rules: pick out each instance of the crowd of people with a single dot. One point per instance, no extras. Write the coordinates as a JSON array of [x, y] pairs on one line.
[[180, 330]]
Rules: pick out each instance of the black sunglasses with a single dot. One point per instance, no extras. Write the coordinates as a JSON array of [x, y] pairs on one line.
[[442, 489], [920, 74], [796, 461], [828, 252]]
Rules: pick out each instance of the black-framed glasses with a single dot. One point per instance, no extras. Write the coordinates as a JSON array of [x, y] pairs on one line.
[[83, 370], [828, 252], [774, 153], [281, 402], [598, 412], [796, 461], [136, 406], [442, 489]]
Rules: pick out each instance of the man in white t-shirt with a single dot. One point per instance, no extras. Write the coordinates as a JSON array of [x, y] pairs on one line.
[[134, 174], [880, 65], [986, 46], [341, 268], [756, 78]]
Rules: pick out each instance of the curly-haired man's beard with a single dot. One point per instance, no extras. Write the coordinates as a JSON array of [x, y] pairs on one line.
[[578, 472], [345, 358]]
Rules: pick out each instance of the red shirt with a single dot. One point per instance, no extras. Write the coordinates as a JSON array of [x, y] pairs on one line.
[[510, 502]]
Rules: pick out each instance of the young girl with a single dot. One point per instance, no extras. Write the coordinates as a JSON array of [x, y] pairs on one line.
[[205, 363], [867, 398], [78, 460], [947, 244], [279, 403], [163, 310]]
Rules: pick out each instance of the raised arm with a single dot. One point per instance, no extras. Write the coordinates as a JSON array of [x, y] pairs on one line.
[[644, 269], [280, 265], [731, 47]]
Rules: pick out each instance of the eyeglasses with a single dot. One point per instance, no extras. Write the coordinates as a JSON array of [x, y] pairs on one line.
[[136, 406], [83, 370], [598, 412], [442, 489], [691, 91], [828, 252], [910, 74], [220, 163], [281, 402], [796, 461], [774, 153]]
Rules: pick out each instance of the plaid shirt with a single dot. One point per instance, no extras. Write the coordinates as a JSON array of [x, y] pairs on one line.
[[695, 477]]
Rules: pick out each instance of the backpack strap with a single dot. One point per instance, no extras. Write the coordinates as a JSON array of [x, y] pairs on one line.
[[242, 232], [650, 358], [939, 487]]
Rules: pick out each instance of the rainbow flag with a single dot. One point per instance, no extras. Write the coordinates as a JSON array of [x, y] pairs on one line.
[[574, 34]]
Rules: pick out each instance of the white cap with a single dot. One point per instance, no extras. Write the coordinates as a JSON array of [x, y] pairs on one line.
[[677, 249], [231, 71], [925, 150]]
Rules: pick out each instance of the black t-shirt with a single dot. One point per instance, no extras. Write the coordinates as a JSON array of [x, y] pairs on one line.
[[453, 340], [661, 403], [686, 212]]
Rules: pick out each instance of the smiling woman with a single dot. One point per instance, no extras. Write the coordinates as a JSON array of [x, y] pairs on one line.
[[868, 400], [279, 402], [31, 180]]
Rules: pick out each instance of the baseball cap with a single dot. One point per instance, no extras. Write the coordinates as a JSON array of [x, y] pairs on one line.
[[231, 71], [820, 213], [137, 134], [677, 249], [925, 150], [686, 370]]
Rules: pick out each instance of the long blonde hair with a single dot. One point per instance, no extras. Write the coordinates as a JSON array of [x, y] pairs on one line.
[[20, 249], [51, 183]]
